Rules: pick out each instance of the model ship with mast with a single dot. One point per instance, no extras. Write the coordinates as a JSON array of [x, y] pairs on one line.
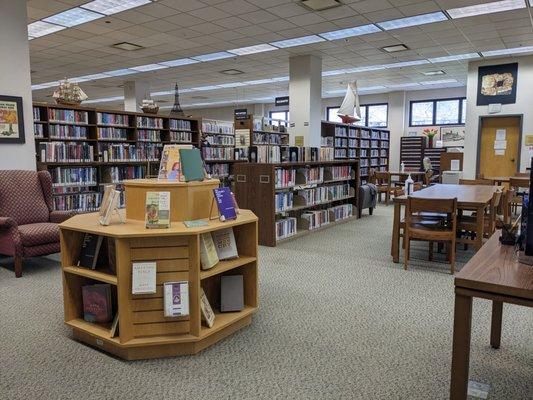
[[349, 111], [69, 93]]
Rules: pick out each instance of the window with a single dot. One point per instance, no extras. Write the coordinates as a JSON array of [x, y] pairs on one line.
[[437, 112], [375, 114], [284, 115]]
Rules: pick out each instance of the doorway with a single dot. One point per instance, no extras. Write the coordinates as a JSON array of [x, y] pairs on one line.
[[499, 145]]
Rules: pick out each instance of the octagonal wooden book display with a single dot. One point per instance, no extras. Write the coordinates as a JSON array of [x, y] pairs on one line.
[[143, 330]]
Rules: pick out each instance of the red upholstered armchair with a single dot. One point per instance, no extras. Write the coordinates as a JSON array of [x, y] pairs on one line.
[[28, 224]]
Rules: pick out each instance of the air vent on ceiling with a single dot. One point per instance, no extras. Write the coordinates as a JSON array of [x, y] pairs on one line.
[[127, 46], [395, 48], [231, 72], [433, 73], [320, 5]]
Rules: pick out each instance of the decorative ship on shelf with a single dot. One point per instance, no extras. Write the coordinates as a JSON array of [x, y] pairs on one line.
[[349, 111], [69, 93], [149, 106]]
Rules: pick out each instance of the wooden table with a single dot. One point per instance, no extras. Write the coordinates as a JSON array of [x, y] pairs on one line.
[[506, 179], [494, 273], [469, 197], [416, 175]]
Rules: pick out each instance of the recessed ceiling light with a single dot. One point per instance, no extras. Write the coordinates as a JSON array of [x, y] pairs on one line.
[[40, 28], [433, 73], [299, 41], [319, 5], [506, 52], [109, 7], [74, 16], [213, 56], [395, 48], [260, 48], [487, 8], [439, 82], [148, 67], [179, 61], [413, 21], [456, 57], [350, 32], [127, 46], [231, 72]]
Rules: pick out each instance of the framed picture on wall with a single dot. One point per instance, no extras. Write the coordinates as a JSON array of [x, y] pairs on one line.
[[452, 136], [497, 84], [11, 120]]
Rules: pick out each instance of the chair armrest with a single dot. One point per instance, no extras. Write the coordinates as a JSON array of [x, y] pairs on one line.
[[10, 241], [7, 223], [59, 216]]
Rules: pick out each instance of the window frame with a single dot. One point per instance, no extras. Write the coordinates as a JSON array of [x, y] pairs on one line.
[[434, 117], [366, 114], [279, 111]]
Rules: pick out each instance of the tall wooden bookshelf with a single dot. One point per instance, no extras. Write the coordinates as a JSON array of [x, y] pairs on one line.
[[286, 196], [102, 146], [371, 146], [143, 329]]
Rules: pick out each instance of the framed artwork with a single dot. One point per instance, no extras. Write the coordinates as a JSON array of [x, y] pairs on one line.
[[452, 136], [496, 84], [11, 120]]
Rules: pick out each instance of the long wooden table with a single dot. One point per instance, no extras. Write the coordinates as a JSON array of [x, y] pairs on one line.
[[415, 175], [494, 273], [469, 197]]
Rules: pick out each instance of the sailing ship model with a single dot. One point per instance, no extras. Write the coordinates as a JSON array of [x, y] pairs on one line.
[[69, 93], [349, 111], [149, 106]]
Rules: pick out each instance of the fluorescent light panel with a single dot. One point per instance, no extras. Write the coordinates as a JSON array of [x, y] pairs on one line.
[[74, 16], [299, 41], [179, 62], [109, 7], [368, 88], [232, 85], [213, 56], [439, 82], [44, 85], [406, 64], [457, 57], [121, 72], [148, 67], [40, 28], [403, 85], [260, 48], [413, 21], [104, 100], [487, 8], [350, 32], [506, 52], [86, 78]]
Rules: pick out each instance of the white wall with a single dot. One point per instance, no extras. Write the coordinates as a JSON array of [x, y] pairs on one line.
[[15, 80], [521, 107]]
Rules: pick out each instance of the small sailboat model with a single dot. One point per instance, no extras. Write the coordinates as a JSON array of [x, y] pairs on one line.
[[149, 106], [69, 93], [349, 110]]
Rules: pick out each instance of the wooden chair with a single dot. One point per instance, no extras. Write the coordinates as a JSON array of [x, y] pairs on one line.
[[417, 227], [518, 185], [479, 181], [382, 180], [522, 174], [467, 224]]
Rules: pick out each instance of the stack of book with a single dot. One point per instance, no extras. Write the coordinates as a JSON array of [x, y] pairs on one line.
[[112, 119], [285, 228], [80, 202], [284, 201], [316, 219], [339, 172], [285, 178], [117, 175], [179, 124], [218, 170], [181, 136], [84, 176], [68, 116], [340, 212], [314, 196], [111, 133], [265, 154], [145, 135], [149, 122], [67, 132], [217, 153], [310, 176], [337, 192], [327, 154], [66, 152]]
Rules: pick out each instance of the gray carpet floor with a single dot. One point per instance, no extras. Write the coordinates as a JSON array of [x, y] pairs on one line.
[[338, 320]]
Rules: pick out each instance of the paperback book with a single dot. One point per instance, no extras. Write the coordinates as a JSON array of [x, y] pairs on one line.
[[208, 316], [143, 277], [176, 298], [208, 251], [225, 203], [170, 165], [225, 244], [90, 250], [110, 202], [157, 210], [97, 303]]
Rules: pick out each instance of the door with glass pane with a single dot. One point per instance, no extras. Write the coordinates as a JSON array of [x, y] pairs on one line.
[[499, 146]]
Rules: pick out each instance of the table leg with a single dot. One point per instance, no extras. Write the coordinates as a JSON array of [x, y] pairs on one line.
[[496, 324], [462, 325], [395, 248], [480, 216]]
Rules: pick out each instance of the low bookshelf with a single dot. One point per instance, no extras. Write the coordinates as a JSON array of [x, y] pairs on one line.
[[85, 148], [367, 144], [296, 198], [143, 330]]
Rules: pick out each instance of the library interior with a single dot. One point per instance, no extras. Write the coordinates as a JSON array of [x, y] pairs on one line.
[[257, 199]]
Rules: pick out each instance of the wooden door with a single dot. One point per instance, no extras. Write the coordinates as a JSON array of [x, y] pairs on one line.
[[490, 162]]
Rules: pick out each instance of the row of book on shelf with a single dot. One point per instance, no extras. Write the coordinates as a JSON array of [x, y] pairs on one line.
[[286, 201], [289, 177], [311, 219]]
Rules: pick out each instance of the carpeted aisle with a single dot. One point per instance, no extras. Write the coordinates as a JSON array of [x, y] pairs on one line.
[[338, 320]]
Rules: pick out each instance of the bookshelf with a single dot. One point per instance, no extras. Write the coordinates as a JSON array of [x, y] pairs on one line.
[[371, 146], [144, 332], [85, 148], [295, 198]]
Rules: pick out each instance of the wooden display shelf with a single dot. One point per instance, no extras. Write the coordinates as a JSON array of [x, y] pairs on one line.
[[301, 232], [144, 331]]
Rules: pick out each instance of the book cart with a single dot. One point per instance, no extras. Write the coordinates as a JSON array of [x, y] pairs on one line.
[[143, 330]]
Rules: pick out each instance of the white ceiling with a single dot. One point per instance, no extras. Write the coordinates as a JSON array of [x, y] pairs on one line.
[[171, 29]]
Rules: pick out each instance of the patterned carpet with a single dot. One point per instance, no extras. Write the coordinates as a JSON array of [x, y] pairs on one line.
[[338, 320]]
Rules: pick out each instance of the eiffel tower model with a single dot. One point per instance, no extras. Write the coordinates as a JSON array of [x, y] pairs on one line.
[[176, 108]]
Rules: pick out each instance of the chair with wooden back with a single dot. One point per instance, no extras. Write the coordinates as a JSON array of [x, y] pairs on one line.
[[382, 180], [468, 224], [417, 227], [518, 185], [479, 181]]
